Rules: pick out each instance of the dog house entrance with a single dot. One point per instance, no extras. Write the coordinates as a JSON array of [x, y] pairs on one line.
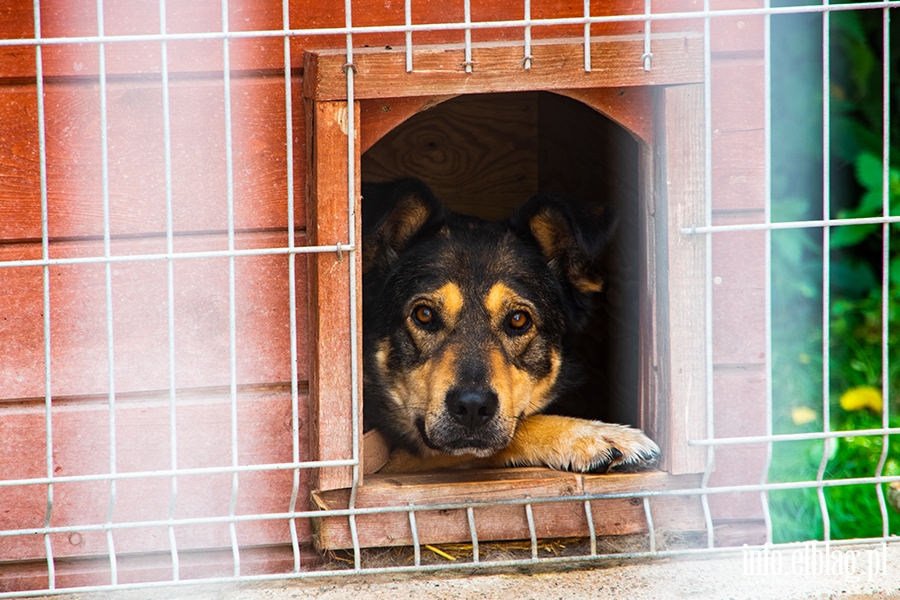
[[485, 154], [485, 142]]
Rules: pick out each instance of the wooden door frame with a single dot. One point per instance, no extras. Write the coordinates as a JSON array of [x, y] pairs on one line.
[[667, 121]]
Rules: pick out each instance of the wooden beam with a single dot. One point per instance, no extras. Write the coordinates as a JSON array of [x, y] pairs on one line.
[[328, 218], [557, 64], [614, 516], [681, 272]]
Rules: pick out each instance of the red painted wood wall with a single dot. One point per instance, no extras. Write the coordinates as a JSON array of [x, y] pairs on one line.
[[137, 193]]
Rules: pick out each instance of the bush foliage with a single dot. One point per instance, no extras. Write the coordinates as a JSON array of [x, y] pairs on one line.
[[851, 340]]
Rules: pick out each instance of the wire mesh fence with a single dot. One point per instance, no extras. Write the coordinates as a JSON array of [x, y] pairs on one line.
[[156, 380]]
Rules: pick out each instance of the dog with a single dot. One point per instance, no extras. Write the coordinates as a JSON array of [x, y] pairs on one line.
[[468, 328]]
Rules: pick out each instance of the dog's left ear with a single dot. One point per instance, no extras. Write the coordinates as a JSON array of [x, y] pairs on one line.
[[571, 235], [394, 215]]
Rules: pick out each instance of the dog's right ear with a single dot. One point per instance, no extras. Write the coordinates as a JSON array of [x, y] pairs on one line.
[[394, 214]]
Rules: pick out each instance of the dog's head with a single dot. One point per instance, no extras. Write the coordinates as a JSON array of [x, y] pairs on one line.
[[467, 322]]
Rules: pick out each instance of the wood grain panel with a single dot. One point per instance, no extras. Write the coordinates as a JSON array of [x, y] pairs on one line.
[[739, 174], [682, 311], [81, 446], [140, 338], [137, 191], [477, 153], [738, 94], [741, 414], [555, 519], [739, 298], [742, 34], [329, 221], [155, 566], [497, 68], [61, 18]]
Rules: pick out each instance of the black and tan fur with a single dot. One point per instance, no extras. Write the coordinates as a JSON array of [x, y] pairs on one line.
[[468, 328]]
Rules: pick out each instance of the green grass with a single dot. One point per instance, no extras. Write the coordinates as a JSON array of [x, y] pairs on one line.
[[853, 510]]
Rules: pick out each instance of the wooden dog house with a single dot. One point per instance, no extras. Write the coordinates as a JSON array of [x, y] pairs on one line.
[[262, 371]]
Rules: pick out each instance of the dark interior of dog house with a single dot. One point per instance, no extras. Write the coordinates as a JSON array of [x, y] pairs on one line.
[[485, 154]]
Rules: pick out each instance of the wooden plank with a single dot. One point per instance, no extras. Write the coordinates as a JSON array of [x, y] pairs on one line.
[[740, 34], [137, 177], [479, 153], [681, 272], [738, 94], [153, 566], [502, 522], [741, 394], [203, 426], [329, 219], [497, 67], [141, 347], [379, 116], [649, 272], [630, 107], [739, 300], [60, 18]]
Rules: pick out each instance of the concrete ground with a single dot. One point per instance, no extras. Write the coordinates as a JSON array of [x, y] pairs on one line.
[[852, 572]]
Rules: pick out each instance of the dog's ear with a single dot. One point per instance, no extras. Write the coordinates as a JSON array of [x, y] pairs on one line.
[[571, 235], [394, 214]]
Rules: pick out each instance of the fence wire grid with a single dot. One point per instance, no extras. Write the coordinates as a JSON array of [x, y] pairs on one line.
[[35, 557]]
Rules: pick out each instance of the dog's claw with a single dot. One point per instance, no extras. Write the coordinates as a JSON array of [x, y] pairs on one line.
[[603, 447]]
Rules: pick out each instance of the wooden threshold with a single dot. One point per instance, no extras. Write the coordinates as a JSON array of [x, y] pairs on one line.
[[554, 519], [498, 67]]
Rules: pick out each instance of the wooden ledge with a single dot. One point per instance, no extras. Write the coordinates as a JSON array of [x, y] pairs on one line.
[[497, 67], [614, 516]]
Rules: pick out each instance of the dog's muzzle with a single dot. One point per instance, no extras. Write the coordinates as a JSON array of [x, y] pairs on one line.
[[472, 408], [469, 424]]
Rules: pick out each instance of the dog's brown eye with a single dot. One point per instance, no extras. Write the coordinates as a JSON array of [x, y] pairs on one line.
[[423, 315], [519, 321]]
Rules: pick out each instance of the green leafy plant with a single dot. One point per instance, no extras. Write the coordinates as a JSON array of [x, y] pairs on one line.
[[853, 316]]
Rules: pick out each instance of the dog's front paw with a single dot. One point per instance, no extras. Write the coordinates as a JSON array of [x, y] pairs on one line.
[[599, 447], [570, 444]]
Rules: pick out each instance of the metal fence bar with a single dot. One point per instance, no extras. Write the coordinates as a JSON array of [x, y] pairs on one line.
[[647, 56], [310, 464], [232, 294], [292, 282], [708, 283], [526, 60], [110, 353], [352, 201], [170, 287], [826, 266], [589, 516], [651, 530], [780, 225], [453, 505], [414, 531], [125, 258], [450, 26], [374, 511], [45, 276], [498, 565], [529, 515], [767, 108], [407, 15], [467, 9], [470, 514], [885, 257], [587, 36], [793, 437]]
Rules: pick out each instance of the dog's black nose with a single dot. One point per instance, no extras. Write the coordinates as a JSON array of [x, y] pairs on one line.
[[472, 407]]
